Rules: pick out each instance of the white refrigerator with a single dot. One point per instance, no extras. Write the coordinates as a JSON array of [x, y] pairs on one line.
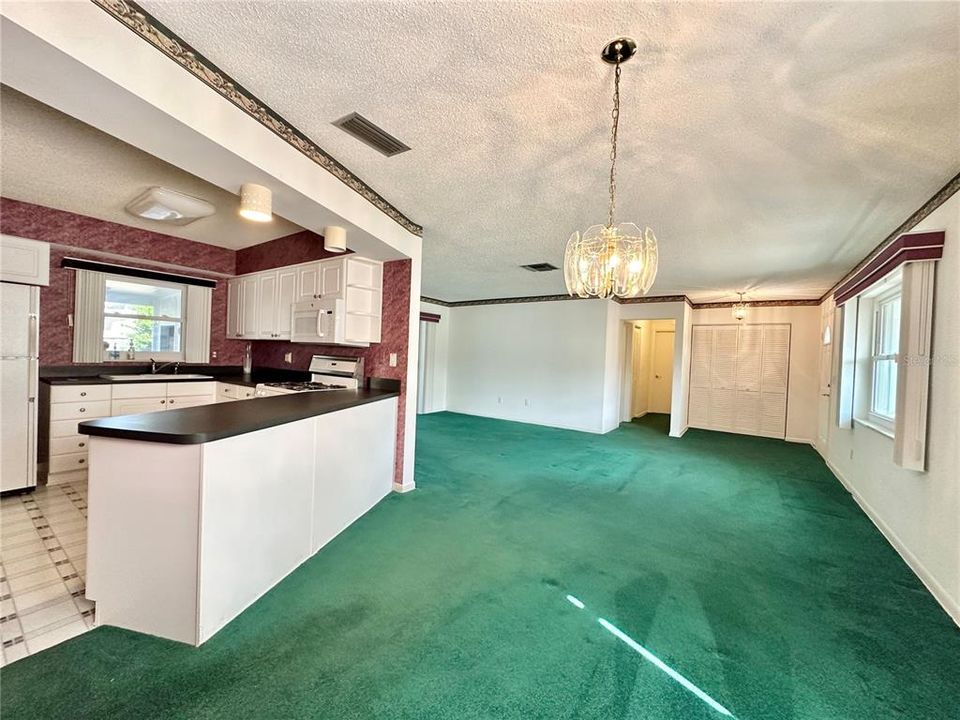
[[19, 365]]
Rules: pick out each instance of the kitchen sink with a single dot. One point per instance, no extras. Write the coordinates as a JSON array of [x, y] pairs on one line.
[[156, 376]]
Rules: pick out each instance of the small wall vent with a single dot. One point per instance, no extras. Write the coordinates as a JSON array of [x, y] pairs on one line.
[[369, 134], [540, 267]]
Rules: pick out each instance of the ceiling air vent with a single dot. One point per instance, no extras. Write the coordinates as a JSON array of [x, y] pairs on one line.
[[540, 267], [366, 132]]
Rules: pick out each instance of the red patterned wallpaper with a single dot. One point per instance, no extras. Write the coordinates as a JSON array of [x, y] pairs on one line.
[[303, 246], [37, 222]]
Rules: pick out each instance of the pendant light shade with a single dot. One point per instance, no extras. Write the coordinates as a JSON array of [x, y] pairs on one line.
[[612, 259], [334, 239], [256, 203]]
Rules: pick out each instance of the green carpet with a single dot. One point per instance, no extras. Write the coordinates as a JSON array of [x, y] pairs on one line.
[[740, 563]]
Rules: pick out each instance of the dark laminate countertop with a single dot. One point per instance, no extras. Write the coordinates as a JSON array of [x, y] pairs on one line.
[[206, 423]]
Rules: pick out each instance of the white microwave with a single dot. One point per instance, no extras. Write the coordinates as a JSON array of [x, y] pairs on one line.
[[318, 322]]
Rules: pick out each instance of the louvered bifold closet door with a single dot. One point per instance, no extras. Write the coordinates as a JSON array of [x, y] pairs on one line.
[[738, 378], [723, 378], [774, 374], [749, 344], [701, 356]]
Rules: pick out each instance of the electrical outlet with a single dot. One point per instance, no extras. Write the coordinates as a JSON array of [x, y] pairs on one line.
[[288, 357], [213, 354], [393, 359]]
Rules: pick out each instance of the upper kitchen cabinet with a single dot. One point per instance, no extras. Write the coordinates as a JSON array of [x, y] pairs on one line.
[[320, 279], [24, 261], [259, 304]]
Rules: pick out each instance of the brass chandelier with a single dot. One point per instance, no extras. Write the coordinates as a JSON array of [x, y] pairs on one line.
[[612, 259]]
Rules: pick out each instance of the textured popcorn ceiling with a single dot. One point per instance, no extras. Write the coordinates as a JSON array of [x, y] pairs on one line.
[[770, 145], [51, 159]]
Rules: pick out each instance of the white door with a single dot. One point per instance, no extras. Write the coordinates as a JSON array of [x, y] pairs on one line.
[[234, 293], [268, 305], [661, 383], [17, 424], [331, 278], [249, 303], [286, 290], [308, 282], [422, 361]]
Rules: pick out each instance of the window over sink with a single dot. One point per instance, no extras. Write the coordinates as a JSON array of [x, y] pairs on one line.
[[143, 318]]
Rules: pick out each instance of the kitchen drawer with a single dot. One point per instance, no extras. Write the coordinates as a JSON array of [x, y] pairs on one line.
[[79, 393], [64, 428], [69, 444], [67, 477], [139, 390], [181, 389], [175, 403], [66, 463], [80, 410], [226, 391]]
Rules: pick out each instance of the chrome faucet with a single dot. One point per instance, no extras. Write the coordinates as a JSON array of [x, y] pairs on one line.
[[154, 367]]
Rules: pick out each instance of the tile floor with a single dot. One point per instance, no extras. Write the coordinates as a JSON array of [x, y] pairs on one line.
[[43, 562]]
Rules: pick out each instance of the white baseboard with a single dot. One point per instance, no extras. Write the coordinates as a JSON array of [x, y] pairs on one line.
[[951, 606], [682, 432], [404, 487]]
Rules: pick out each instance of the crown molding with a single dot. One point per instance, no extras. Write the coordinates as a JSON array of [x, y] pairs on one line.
[[938, 199], [757, 304], [148, 28]]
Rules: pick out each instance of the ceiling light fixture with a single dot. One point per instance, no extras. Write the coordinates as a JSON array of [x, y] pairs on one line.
[[256, 203], [169, 206], [610, 259], [334, 239], [740, 309]]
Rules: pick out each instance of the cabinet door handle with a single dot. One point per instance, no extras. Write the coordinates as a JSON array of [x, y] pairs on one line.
[[81, 444], [171, 402], [82, 460], [83, 394], [162, 402], [83, 409]]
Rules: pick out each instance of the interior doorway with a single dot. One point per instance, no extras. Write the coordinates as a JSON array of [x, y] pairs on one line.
[[650, 367], [424, 363]]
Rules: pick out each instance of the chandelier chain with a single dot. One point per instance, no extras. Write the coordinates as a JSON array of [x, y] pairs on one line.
[[615, 115]]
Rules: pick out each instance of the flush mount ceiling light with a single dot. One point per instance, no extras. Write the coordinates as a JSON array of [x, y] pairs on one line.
[[334, 239], [169, 206], [256, 203], [612, 260], [740, 309]]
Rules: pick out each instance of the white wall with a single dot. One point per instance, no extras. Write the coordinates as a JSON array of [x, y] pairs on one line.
[[539, 363], [803, 384], [919, 512], [435, 399]]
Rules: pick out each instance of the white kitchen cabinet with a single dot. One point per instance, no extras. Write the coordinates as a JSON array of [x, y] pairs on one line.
[[70, 405], [234, 299], [277, 289], [135, 406], [259, 304], [249, 306], [23, 261]]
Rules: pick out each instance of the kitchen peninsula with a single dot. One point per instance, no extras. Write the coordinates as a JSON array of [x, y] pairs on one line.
[[196, 513]]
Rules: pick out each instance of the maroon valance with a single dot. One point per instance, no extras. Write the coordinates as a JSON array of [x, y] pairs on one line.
[[912, 246], [429, 317]]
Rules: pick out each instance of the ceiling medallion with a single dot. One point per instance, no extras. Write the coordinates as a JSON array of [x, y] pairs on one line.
[[612, 260]]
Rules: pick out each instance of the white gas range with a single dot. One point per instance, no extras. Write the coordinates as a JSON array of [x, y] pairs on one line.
[[328, 372]]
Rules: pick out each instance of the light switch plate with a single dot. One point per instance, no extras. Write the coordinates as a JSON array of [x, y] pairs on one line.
[[393, 359]]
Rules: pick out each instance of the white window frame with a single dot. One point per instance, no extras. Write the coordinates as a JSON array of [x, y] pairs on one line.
[[882, 300], [143, 356]]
